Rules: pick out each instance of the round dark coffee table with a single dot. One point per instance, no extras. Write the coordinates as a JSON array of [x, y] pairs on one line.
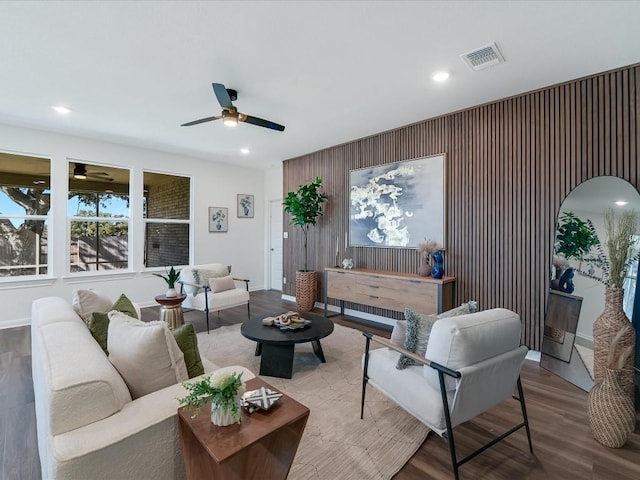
[[277, 346]]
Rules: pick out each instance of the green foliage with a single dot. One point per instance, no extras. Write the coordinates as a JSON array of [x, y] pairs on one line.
[[220, 389], [305, 207], [574, 237], [171, 277]]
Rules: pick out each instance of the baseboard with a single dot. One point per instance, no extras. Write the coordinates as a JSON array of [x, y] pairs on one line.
[[16, 322], [533, 355]]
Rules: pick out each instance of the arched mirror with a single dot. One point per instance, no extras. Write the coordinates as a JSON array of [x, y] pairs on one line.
[[576, 297]]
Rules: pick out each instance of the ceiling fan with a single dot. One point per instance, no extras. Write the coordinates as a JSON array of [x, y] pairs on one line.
[[80, 172], [230, 114]]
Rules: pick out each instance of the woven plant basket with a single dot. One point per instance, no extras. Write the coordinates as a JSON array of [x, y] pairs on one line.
[[306, 284], [612, 416], [605, 327]]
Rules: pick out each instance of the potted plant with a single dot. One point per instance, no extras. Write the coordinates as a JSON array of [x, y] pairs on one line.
[[223, 390], [305, 207], [171, 278]]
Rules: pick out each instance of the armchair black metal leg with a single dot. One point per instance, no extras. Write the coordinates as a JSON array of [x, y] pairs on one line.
[[207, 315], [249, 310], [523, 406], [365, 378], [449, 434]]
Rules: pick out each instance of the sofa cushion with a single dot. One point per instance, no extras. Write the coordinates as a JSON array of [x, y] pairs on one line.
[[187, 340], [99, 326], [145, 353], [457, 342], [221, 284], [86, 301], [82, 386]]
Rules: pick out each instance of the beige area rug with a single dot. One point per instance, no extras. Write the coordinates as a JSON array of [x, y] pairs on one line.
[[336, 444]]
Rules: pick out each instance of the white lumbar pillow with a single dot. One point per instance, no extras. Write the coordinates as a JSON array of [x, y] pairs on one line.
[[145, 354], [221, 284]]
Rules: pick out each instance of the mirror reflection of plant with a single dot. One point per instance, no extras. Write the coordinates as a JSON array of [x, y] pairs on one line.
[[623, 249], [574, 237]]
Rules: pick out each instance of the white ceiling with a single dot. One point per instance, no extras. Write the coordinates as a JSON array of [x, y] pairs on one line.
[[329, 71]]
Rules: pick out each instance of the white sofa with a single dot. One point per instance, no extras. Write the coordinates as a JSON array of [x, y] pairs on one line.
[[88, 426], [200, 295]]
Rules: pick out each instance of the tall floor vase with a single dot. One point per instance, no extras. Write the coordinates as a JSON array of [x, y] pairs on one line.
[[612, 416], [605, 328]]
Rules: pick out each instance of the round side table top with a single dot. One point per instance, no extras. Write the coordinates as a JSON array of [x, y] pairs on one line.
[[254, 330], [170, 301]]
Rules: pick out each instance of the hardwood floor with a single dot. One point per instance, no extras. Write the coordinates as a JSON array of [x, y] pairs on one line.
[[563, 445]]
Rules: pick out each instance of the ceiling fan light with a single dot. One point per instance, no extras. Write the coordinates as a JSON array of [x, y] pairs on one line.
[[80, 171], [230, 119]]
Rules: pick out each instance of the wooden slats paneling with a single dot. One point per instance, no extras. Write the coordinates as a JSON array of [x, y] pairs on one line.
[[509, 166]]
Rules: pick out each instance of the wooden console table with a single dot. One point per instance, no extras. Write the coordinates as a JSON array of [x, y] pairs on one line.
[[262, 446], [389, 290]]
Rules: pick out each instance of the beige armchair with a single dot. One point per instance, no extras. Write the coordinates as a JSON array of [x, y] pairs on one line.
[[211, 287], [472, 364]]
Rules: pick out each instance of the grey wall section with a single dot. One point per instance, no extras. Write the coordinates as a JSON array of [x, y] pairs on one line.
[[509, 165]]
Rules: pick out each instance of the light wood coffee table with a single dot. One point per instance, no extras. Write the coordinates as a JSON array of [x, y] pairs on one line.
[[261, 447]]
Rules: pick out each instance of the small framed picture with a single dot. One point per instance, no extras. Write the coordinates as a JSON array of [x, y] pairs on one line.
[[218, 219], [245, 205]]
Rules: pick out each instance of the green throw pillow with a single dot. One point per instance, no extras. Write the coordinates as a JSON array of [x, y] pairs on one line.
[[419, 329], [187, 340], [99, 326]]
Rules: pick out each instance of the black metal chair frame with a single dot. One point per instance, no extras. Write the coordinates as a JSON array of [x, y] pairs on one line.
[[207, 288], [448, 435]]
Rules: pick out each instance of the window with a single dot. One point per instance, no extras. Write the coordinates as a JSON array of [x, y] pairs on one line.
[[25, 200], [167, 213], [98, 211]]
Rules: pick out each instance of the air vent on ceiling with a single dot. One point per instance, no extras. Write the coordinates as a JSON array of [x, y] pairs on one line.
[[483, 57]]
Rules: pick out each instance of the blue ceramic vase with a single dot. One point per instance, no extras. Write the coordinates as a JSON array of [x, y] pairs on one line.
[[437, 269]]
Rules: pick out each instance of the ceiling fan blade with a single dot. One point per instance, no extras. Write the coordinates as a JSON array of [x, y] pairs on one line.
[[261, 122], [222, 95], [202, 120], [98, 176]]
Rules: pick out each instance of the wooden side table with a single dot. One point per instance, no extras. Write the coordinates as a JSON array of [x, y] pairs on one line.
[[262, 446], [171, 310]]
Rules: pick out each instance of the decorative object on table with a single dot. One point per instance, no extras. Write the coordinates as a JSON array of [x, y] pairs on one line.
[[397, 204], [245, 205], [305, 207], [287, 321], [223, 390], [426, 250], [218, 219], [613, 319], [171, 278], [612, 416], [262, 398], [437, 268], [347, 263]]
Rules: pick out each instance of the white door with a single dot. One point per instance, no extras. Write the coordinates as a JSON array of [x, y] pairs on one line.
[[275, 244]]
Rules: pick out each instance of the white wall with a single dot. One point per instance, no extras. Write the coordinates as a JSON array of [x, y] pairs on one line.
[[213, 184]]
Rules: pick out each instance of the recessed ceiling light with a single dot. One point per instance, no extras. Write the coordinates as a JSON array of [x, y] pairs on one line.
[[61, 109], [440, 76], [245, 150], [621, 203]]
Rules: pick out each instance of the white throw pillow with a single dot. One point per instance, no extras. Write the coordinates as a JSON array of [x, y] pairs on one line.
[[85, 302], [221, 284], [399, 333], [145, 354]]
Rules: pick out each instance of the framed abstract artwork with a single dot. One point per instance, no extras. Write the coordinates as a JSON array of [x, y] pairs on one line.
[[245, 205], [398, 204], [218, 219]]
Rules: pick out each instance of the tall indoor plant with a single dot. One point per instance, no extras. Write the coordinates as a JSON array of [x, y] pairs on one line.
[[305, 208]]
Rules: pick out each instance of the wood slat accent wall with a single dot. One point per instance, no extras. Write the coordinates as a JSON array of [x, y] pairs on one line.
[[509, 166]]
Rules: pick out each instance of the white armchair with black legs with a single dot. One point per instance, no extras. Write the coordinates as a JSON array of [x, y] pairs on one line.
[[472, 363], [211, 287]]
